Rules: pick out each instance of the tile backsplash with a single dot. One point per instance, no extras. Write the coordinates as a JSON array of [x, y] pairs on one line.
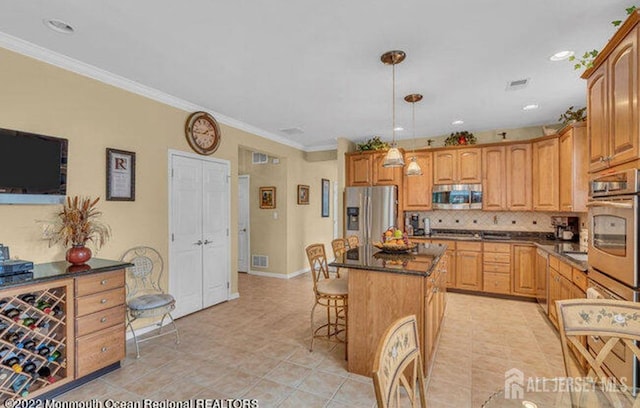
[[493, 220]]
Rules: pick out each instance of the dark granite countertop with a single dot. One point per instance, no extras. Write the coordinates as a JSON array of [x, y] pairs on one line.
[[561, 249], [60, 270], [420, 261]]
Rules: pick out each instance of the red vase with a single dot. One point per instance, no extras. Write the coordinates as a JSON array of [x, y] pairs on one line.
[[78, 254]]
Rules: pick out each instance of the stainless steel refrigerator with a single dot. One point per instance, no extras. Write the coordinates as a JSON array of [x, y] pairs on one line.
[[369, 211]]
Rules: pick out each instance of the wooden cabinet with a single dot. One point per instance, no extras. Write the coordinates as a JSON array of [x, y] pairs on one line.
[[417, 189], [450, 259], [493, 178], [518, 174], [574, 177], [100, 315], [434, 311], [365, 169], [469, 265], [497, 268], [457, 166], [506, 177], [524, 272], [546, 178], [612, 100], [560, 285], [359, 170]]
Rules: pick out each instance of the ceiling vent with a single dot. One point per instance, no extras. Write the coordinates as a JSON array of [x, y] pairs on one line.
[[517, 84], [259, 158], [294, 131]]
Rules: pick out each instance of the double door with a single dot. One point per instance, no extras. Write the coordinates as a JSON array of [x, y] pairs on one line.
[[199, 235]]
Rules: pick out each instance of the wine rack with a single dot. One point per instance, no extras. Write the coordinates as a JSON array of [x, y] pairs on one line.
[[36, 338]]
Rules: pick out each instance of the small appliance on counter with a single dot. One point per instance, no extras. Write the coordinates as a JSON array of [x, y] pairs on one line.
[[566, 228]]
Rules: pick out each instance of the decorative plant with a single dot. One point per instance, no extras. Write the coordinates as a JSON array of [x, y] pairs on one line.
[[586, 61], [460, 138], [373, 144], [78, 222], [573, 116]]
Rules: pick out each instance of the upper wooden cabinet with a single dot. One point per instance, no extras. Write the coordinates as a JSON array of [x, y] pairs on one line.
[[518, 174], [574, 180], [546, 170], [417, 189], [612, 100], [365, 169], [457, 166], [494, 187]]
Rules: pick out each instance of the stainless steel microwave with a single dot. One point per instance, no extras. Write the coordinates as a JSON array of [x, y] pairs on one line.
[[457, 197]]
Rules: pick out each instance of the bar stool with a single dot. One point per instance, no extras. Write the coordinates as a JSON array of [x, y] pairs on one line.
[[339, 246], [330, 293], [353, 241]]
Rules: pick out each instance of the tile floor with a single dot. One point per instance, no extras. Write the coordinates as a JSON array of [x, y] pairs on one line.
[[257, 347]]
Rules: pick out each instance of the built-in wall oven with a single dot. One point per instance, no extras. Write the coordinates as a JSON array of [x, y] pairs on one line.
[[613, 222]]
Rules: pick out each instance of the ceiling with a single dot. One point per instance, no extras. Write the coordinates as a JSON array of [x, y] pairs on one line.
[[315, 65]]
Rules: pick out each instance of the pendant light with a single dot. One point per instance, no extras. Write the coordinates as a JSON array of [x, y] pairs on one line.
[[394, 157], [413, 169]]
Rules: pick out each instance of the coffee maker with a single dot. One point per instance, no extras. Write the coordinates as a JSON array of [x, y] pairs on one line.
[[566, 228], [415, 223]]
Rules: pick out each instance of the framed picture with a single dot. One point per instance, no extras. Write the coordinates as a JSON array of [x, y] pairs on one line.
[[325, 197], [267, 197], [121, 175], [303, 194]]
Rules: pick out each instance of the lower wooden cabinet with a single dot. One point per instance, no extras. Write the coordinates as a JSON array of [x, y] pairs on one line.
[[469, 265], [524, 272], [497, 268], [100, 321]]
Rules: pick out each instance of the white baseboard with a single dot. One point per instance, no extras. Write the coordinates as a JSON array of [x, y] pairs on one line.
[[235, 295], [279, 275]]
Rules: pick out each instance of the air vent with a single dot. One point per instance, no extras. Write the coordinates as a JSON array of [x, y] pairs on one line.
[[517, 84], [259, 158], [294, 131], [259, 261]]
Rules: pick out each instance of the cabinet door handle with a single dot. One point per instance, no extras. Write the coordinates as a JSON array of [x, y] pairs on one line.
[[206, 242], [104, 319], [103, 282], [198, 243], [103, 350], [103, 301]]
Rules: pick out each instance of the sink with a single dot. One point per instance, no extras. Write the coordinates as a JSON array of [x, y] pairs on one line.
[[578, 257]]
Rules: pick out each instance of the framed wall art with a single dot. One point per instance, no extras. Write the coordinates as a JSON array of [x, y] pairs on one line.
[[268, 197], [325, 197], [303, 194], [121, 175]]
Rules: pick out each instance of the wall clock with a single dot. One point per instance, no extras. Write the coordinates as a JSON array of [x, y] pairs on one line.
[[203, 133]]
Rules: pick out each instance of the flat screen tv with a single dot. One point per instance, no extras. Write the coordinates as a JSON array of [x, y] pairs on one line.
[[33, 168]]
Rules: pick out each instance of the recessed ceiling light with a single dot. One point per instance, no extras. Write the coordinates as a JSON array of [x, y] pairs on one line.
[[561, 55], [58, 26], [457, 122], [531, 106], [398, 128]]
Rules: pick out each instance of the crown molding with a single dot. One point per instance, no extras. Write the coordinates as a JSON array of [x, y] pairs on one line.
[[321, 148], [67, 63]]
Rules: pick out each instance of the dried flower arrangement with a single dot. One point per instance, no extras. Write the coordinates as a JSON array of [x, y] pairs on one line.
[[460, 138], [373, 144], [78, 223]]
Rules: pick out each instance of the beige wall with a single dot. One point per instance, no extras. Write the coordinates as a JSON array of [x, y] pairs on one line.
[[41, 98]]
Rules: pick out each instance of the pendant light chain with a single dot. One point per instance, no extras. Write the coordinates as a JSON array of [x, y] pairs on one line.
[[393, 103]]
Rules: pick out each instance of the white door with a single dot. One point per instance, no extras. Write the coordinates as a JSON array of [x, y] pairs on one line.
[[186, 234], [243, 223], [199, 245]]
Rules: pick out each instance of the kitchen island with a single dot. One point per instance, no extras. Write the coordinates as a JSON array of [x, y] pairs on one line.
[[385, 287]]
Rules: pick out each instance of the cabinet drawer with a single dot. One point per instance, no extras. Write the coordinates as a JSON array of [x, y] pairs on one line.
[[565, 270], [497, 282], [99, 301], [469, 246], [497, 267], [100, 320], [495, 257], [99, 282], [495, 247], [580, 279], [99, 349], [554, 262], [440, 242]]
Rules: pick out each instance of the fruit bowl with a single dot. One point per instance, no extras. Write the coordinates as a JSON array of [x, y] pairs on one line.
[[394, 248]]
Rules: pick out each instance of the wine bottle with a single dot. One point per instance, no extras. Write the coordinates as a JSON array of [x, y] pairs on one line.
[[54, 356], [29, 298], [14, 361], [13, 313], [21, 385], [30, 322], [44, 306], [44, 350]]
